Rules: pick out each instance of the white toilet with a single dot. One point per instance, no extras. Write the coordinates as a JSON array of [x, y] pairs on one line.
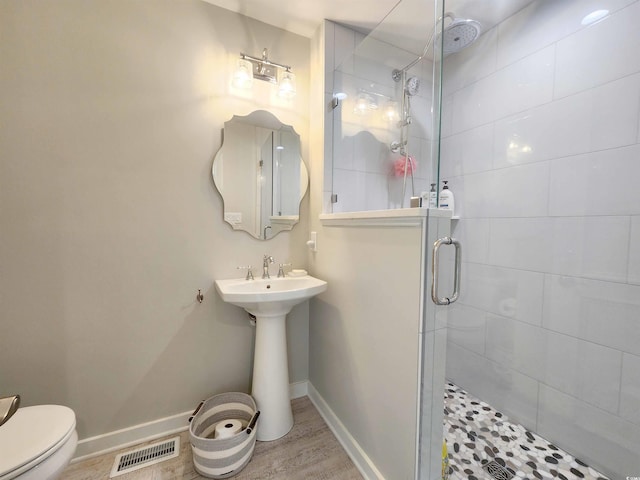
[[37, 443]]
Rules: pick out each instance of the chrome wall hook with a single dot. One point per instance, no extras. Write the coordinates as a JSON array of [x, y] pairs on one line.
[[199, 297]]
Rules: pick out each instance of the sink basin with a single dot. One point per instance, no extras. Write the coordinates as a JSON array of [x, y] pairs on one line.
[[270, 300], [269, 296]]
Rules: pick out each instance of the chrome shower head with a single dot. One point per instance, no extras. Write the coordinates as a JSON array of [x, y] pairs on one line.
[[460, 33], [412, 86]]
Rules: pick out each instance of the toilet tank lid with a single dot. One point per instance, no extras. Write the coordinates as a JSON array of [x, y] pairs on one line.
[[32, 432]]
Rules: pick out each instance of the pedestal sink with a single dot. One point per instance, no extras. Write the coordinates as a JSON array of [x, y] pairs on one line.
[[270, 300]]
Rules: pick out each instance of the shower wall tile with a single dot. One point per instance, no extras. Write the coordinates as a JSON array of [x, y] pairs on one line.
[[428, 168], [328, 148], [597, 119], [374, 62], [638, 137], [344, 44], [329, 58], [524, 84], [601, 312], [577, 241], [520, 86], [566, 246], [349, 185], [630, 394], [516, 345], [633, 275], [466, 66], [421, 124], [509, 391], [374, 184], [551, 130], [610, 443], [359, 191], [467, 152], [474, 234], [582, 369], [370, 154], [503, 291], [605, 51], [541, 23], [343, 147], [466, 327], [446, 117], [537, 25], [591, 184], [474, 105], [615, 107], [520, 191], [517, 243]]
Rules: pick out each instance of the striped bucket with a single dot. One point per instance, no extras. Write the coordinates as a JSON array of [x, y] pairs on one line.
[[223, 457]]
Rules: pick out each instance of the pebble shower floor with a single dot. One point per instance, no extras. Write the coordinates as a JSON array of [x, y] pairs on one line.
[[477, 434]]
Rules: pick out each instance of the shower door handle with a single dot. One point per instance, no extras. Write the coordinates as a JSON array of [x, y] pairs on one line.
[[434, 271]]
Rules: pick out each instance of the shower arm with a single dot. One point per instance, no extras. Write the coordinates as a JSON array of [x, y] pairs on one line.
[[396, 73]]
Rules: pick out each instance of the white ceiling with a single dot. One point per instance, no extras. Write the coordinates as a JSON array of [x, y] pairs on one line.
[[304, 16], [409, 19]]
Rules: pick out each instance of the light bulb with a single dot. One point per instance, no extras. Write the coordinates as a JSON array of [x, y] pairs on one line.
[[287, 85], [390, 112], [243, 76]]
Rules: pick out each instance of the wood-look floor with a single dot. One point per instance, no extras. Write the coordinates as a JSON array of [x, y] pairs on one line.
[[308, 451]]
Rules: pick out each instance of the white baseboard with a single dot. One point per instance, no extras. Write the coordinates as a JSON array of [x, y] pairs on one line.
[[112, 441], [298, 389], [145, 432], [359, 457]]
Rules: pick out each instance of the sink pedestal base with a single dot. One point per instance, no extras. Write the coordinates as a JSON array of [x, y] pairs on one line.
[[270, 385]]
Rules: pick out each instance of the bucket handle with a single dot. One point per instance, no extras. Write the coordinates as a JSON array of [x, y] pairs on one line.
[[195, 412], [253, 421]]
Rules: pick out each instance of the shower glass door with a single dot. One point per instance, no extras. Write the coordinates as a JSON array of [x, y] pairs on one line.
[[540, 145]]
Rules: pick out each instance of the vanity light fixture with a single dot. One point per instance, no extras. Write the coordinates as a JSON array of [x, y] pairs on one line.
[[249, 67], [364, 104], [367, 102]]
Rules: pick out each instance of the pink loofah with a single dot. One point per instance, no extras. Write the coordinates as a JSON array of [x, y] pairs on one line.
[[399, 166]]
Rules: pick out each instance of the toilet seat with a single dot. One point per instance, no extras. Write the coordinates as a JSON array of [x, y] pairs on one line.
[[32, 435]]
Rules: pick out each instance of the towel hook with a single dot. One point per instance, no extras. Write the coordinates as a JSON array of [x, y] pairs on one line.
[[199, 297]]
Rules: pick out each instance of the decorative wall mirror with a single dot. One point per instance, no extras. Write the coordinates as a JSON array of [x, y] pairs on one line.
[[260, 174]]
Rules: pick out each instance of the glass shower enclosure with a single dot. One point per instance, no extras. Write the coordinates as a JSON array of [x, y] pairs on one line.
[[535, 124]]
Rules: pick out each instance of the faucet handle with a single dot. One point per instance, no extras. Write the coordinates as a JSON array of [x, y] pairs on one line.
[[281, 269], [249, 272]]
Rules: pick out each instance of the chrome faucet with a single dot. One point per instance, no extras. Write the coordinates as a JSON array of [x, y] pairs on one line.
[[265, 265]]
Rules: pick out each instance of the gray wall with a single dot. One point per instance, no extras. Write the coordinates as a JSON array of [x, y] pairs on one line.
[[541, 123], [111, 115]]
